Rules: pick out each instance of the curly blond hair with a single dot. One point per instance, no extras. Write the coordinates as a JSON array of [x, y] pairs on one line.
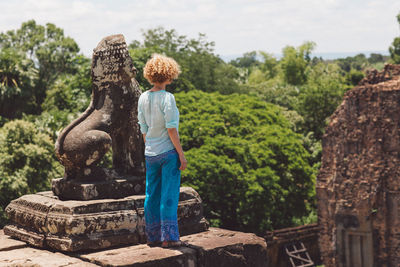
[[160, 68]]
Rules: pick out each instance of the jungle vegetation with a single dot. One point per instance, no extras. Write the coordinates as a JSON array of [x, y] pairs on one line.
[[251, 127]]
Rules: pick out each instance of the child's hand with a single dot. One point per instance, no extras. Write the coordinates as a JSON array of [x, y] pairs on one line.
[[183, 162]]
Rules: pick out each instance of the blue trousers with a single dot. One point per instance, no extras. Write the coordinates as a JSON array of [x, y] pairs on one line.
[[163, 179]]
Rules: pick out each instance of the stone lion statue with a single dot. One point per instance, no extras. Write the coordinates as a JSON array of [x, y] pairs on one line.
[[109, 121]]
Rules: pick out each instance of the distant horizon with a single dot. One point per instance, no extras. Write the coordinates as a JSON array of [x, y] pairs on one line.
[[324, 55]]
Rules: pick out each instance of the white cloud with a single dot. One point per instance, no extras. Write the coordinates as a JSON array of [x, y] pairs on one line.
[[236, 26]]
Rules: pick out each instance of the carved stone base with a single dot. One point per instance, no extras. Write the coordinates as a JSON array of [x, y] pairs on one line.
[[44, 220], [82, 190]]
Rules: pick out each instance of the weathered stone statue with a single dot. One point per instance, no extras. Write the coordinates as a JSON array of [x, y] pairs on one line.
[[110, 119]]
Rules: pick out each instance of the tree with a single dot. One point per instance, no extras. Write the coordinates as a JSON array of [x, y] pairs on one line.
[[17, 80], [27, 161], [264, 71], [295, 61], [375, 58], [320, 96], [52, 52], [394, 49], [65, 100], [71, 92], [248, 60], [201, 68], [270, 65], [249, 167], [359, 62], [353, 77]]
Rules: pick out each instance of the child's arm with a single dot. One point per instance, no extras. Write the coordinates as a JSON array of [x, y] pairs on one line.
[[144, 137], [173, 135]]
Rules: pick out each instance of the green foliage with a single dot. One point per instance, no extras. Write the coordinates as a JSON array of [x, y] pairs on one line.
[[51, 122], [252, 70], [394, 49], [319, 98], [201, 69], [17, 79], [358, 62], [71, 92], [353, 77], [276, 92], [257, 76], [3, 121], [248, 60], [307, 219], [249, 167], [295, 61], [27, 161], [375, 58], [269, 65], [267, 70], [46, 46], [66, 99]]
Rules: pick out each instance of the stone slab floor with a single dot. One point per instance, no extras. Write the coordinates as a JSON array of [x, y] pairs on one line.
[[216, 247]]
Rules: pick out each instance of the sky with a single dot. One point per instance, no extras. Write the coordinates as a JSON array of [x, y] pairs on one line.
[[236, 26]]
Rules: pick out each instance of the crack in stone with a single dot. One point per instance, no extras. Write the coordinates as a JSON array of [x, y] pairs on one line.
[[46, 227]]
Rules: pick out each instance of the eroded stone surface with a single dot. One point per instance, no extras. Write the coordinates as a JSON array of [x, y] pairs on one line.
[[118, 187], [358, 187], [143, 255], [220, 247], [33, 257], [43, 220], [7, 243]]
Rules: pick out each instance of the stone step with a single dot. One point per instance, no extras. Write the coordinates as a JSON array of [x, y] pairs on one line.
[[215, 247]]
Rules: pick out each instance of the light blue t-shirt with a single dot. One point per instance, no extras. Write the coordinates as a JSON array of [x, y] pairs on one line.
[[157, 111]]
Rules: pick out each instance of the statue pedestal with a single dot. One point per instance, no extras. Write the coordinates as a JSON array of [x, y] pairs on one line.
[[43, 220], [87, 190]]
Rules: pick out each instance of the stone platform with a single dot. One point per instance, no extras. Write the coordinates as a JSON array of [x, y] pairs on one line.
[[43, 220], [215, 247]]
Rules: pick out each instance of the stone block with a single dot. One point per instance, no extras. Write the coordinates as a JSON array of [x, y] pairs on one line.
[[120, 187], [33, 257], [43, 220], [225, 248], [143, 255]]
